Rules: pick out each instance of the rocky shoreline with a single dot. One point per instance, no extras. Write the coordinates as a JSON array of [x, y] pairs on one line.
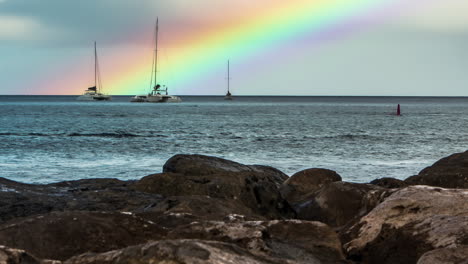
[[203, 209]]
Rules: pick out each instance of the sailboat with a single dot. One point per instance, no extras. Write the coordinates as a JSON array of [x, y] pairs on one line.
[[228, 94], [159, 93], [93, 93]]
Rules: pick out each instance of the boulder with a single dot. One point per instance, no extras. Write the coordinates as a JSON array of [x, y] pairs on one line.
[[206, 165], [409, 223], [23, 200], [18, 256], [254, 190], [339, 203], [301, 184], [457, 255], [292, 240], [174, 252], [61, 235], [449, 172], [390, 183], [198, 207]]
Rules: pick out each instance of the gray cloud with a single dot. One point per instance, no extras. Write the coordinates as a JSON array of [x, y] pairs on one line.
[[75, 21]]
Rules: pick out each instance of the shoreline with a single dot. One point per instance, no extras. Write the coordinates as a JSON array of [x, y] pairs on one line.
[[228, 210]]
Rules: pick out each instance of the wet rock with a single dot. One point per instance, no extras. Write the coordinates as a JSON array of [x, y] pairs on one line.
[[291, 240], [23, 200], [299, 186], [409, 223], [449, 172], [206, 165], [391, 183], [174, 252], [457, 255], [257, 191], [339, 203], [60, 235]]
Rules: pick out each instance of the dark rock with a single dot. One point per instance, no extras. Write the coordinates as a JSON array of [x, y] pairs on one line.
[[391, 183], [20, 200], [60, 235], [449, 172], [338, 203], [299, 186], [175, 252], [457, 255], [409, 223], [257, 191], [198, 207], [291, 240], [23, 200], [205, 165]]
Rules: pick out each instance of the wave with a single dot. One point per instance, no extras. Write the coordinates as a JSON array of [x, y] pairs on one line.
[[108, 135], [344, 136], [111, 135], [28, 134]]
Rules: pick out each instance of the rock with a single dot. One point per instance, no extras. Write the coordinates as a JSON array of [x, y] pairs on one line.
[[391, 183], [23, 200], [60, 235], [254, 190], [301, 184], [338, 203], [457, 255], [291, 240], [410, 222], [18, 256], [206, 165], [449, 172], [199, 208], [174, 252]]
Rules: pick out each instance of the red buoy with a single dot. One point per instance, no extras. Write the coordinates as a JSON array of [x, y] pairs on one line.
[[398, 110]]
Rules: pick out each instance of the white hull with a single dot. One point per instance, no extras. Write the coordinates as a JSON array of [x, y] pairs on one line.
[[94, 97], [163, 99], [158, 98]]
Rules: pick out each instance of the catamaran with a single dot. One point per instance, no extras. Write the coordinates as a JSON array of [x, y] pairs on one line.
[[159, 93], [93, 93], [228, 94]]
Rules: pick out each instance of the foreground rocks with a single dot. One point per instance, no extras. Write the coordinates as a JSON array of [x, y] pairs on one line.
[[302, 184], [449, 172], [203, 209], [409, 223], [61, 235], [339, 203]]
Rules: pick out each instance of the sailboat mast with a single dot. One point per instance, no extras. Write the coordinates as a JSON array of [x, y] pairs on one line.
[[156, 53], [95, 65], [228, 76]]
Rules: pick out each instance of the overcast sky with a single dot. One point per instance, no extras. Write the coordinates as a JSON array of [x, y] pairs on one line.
[[420, 50]]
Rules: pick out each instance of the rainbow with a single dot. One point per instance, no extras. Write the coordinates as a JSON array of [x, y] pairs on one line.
[[193, 56]]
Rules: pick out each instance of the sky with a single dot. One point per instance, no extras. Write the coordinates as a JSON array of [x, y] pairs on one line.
[[275, 47]]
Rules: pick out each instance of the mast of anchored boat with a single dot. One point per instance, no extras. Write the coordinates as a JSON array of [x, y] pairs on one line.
[[95, 66], [156, 52]]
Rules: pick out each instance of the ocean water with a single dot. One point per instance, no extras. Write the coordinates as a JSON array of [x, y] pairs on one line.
[[47, 139]]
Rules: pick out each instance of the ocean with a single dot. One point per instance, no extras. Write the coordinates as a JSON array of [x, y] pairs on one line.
[[46, 139]]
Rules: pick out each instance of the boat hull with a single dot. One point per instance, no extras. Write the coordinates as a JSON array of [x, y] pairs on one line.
[[156, 99], [89, 97]]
